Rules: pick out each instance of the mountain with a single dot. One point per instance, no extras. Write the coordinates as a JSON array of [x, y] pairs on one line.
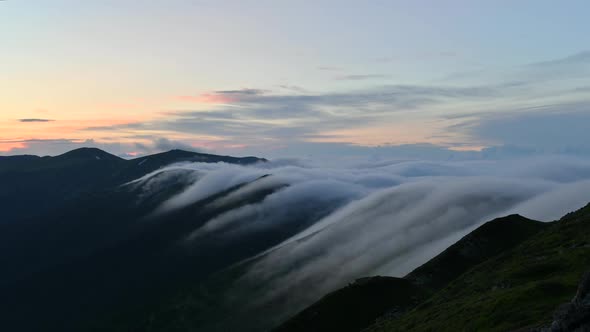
[[487, 241], [509, 274], [72, 229], [225, 303], [357, 305], [361, 303], [93, 242], [32, 185], [174, 156]]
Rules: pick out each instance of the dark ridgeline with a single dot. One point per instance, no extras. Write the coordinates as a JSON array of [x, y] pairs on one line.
[[33, 185], [75, 243]]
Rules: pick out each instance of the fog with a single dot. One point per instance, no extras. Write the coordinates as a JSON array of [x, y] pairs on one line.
[[385, 217]]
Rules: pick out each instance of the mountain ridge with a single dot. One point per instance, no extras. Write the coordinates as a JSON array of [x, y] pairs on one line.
[[92, 153], [49, 182], [516, 288], [486, 241]]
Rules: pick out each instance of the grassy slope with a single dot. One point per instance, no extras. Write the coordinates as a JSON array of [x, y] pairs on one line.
[[519, 288], [354, 308], [487, 241]]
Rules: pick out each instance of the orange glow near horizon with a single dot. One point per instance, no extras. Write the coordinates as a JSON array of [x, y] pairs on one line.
[[9, 146]]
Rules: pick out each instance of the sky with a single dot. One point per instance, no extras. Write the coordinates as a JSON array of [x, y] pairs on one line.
[[295, 78]]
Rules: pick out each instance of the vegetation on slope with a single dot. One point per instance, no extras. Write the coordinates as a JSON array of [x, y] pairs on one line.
[[517, 289], [358, 306]]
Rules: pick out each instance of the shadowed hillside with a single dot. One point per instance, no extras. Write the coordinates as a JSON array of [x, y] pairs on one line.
[[519, 288], [509, 274], [360, 304]]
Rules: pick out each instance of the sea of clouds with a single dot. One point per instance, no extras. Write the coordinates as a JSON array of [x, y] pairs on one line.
[[374, 218]]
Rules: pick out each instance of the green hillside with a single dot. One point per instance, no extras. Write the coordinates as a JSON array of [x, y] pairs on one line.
[[360, 304], [517, 289]]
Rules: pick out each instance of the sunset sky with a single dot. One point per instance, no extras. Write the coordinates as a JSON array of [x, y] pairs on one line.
[[281, 78]]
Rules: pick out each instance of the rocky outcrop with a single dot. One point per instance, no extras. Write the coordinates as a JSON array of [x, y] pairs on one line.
[[575, 315]]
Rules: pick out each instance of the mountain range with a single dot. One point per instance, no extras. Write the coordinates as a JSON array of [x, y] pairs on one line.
[[93, 242]]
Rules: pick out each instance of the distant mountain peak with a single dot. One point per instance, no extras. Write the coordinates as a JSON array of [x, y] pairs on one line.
[[177, 155], [89, 153]]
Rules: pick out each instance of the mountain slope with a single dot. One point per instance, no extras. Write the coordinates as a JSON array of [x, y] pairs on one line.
[[364, 302], [222, 304], [517, 289], [77, 233], [487, 241], [33, 186], [356, 306]]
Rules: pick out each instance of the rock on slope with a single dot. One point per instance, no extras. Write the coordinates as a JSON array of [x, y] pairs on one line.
[[573, 316]]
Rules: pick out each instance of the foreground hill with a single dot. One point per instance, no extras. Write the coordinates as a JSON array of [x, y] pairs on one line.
[[517, 289], [220, 304], [509, 274], [361, 303]]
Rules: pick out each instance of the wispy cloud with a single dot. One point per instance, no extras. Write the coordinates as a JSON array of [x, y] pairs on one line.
[[35, 120], [420, 56], [453, 113], [361, 77], [294, 88], [263, 115], [250, 92], [330, 68], [574, 59], [222, 96]]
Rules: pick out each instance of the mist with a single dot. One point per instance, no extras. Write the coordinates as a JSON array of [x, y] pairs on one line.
[[367, 218]]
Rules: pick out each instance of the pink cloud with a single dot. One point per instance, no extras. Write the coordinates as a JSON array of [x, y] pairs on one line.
[[9, 146], [223, 96], [210, 98]]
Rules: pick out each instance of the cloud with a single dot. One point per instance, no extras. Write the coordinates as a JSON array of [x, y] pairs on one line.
[[388, 232], [551, 205], [208, 98], [251, 92], [462, 112], [164, 144], [582, 57], [259, 116], [361, 77], [563, 128], [294, 88], [466, 113], [319, 124], [35, 120], [222, 96], [414, 56], [538, 78], [330, 68], [358, 219]]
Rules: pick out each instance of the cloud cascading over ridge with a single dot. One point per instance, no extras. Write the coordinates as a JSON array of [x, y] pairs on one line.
[[385, 217]]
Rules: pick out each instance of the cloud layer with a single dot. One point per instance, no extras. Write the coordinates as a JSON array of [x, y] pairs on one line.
[[361, 219]]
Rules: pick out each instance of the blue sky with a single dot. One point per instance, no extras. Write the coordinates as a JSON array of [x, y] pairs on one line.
[[278, 78]]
